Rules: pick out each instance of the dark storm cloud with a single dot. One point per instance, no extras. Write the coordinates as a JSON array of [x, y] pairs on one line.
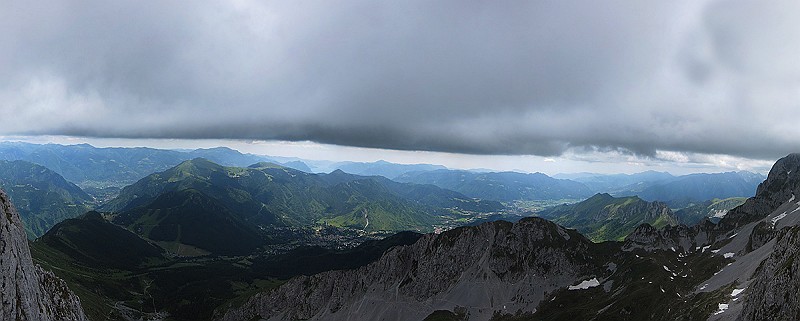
[[456, 76]]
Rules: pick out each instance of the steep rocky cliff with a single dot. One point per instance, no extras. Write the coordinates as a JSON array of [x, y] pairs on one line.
[[780, 187], [27, 292], [773, 294], [496, 267]]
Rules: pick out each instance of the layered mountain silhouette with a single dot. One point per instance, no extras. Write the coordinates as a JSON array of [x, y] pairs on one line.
[[89, 166], [503, 186]]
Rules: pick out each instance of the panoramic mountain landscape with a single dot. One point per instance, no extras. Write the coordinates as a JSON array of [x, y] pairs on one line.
[[399, 160], [203, 241]]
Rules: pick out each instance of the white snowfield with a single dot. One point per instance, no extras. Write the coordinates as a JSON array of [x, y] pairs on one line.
[[722, 307], [720, 213], [585, 284]]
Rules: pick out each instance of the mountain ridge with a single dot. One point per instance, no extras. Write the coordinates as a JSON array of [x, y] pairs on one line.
[[500, 186], [603, 217], [42, 197]]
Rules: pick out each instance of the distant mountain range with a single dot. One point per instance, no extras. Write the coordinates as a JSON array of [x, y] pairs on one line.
[[500, 186], [613, 183], [89, 166], [96, 169], [713, 210], [677, 191], [383, 168], [699, 187], [43, 198]]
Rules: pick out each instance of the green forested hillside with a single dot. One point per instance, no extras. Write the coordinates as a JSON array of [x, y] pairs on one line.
[[603, 217], [42, 197], [269, 194]]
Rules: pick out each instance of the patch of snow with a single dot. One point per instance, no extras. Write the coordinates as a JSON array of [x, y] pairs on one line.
[[722, 308], [585, 284], [736, 292], [715, 251], [778, 218], [720, 213], [672, 248], [728, 255], [704, 286], [662, 290], [706, 247], [734, 235], [666, 269]]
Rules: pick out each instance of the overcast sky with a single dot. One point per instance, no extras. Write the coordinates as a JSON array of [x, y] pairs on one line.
[[593, 85]]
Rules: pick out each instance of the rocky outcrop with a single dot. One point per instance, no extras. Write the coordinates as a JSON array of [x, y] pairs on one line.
[[680, 238], [603, 217], [781, 185], [773, 294], [27, 292], [495, 267]]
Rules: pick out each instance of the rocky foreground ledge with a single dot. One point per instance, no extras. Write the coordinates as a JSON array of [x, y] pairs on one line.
[[27, 291]]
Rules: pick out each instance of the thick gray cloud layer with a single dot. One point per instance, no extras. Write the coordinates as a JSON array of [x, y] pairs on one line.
[[509, 77]]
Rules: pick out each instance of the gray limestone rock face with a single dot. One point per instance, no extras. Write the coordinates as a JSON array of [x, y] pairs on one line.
[[27, 292], [774, 295], [495, 267], [781, 185], [680, 238]]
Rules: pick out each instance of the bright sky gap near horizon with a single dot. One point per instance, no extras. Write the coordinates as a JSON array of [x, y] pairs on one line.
[[572, 86]]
